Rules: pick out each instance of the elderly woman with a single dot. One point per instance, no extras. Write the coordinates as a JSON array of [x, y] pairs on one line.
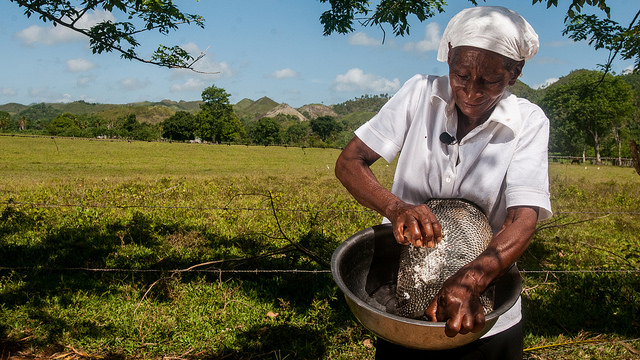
[[462, 136]]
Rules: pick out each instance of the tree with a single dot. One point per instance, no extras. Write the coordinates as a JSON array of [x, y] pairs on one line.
[[217, 121], [590, 103], [64, 125], [297, 133], [120, 36], [180, 126], [325, 126], [267, 131], [39, 115], [5, 120]]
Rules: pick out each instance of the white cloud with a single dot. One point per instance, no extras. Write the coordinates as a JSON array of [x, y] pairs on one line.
[[8, 91], [40, 91], [79, 65], [65, 98], [52, 35], [46, 35], [192, 84], [84, 81], [363, 39], [46, 94], [430, 42], [132, 84], [356, 80], [545, 84], [284, 74], [628, 70]]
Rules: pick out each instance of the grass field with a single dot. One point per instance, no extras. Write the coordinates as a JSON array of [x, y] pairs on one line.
[[137, 250]]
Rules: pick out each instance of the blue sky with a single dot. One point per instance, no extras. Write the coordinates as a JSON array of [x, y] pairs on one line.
[[262, 48]]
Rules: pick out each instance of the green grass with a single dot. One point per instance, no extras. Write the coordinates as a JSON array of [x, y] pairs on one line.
[[91, 233]]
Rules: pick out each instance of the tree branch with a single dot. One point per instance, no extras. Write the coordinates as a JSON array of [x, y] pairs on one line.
[[68, 18]]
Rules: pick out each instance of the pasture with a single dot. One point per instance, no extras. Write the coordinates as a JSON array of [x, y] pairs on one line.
[[148, 250]]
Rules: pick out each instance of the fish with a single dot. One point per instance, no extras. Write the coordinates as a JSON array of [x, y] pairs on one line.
[[422, 271]]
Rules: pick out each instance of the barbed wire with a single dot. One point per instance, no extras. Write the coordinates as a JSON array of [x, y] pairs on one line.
[[276, 271], [216, 271], [265, 209]]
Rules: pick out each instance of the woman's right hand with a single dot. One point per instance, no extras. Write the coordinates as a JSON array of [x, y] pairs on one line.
[[414, 224]]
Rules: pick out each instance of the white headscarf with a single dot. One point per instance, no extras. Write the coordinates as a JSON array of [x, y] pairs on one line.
[[493, 28]]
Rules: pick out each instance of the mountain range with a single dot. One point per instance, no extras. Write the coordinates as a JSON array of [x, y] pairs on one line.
[[154, 112]]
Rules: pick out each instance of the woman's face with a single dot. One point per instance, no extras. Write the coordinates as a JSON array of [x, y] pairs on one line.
[[478, 78]]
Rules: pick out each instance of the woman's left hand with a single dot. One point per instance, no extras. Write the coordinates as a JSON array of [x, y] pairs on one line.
[[458, 304]]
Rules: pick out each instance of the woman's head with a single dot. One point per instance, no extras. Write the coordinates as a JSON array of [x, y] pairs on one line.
[[486, 48]]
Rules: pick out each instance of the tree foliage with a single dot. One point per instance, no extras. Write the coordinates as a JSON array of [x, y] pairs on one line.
[[368, 103], [604, 33], [587, 104], [325, 126], [344, 13], [180, 126], [600, 31], [297, 133], [267, 131], [64, 125], [217, 121], [5, 120], [120, 36]]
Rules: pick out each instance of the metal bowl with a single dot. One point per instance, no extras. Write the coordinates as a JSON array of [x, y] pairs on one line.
[[365, 267]]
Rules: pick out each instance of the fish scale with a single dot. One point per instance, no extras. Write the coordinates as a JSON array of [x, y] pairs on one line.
[[422, 271]]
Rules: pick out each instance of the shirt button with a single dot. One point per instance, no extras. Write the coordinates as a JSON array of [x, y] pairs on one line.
[[448, 179]]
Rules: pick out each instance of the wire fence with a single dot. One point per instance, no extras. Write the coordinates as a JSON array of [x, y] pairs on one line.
[[263, 209], [197, 268], [626, 162]]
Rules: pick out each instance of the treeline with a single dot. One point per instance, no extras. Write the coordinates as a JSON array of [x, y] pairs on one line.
[[592, 114], [365, 103], [214, 122], [82, 125]]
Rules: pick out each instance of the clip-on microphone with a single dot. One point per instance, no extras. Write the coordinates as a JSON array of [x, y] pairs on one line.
[[447, 139]]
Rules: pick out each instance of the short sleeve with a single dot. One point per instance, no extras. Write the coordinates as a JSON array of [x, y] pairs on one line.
[[528, 175], [386, 131]]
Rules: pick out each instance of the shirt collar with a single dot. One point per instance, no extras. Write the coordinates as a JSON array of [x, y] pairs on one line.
[[506, 112]]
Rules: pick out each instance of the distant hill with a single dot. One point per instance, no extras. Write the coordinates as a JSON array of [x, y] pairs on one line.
[[354, 111], [284, 109], [251, 110], [188, 106], [313, 111], [81, 107], [366, 103], [144, 114], [13, 108], [147, 111], [523, 90]]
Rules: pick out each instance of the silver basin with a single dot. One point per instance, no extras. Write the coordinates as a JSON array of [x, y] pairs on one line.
[[365, 267]]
